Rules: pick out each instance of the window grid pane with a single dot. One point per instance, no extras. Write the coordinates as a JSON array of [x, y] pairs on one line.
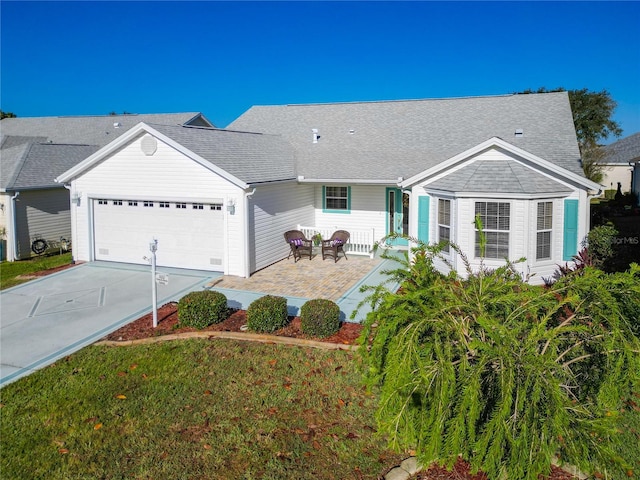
[[544, 229], [444, 223], [496, 223], [336, 198]]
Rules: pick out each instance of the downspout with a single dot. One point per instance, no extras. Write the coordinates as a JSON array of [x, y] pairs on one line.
[[247, 251], [14, 238]]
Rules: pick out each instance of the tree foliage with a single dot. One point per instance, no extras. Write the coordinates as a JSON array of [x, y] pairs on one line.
[[4, 114], [505, 374], [592, 112], [592, 118]]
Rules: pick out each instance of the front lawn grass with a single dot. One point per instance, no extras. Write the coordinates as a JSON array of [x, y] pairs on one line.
[[10, 271], [214, 409]]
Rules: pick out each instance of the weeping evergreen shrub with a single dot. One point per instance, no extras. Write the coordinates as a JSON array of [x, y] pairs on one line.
[[505, 374]]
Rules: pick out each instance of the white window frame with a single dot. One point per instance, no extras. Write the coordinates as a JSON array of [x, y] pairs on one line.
[[444, 223], [338, 197], [495, 232], [544, 230]]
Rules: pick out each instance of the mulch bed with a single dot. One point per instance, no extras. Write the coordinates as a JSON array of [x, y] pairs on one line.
[[461, 471], [168, 324]]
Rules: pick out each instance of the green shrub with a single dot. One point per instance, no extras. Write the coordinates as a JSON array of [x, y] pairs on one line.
[[506, 374], [320, 318], [267, 314], [600, 243], [201, 309]]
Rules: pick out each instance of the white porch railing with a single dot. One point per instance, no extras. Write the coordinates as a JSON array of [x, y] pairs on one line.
[[360, 241]]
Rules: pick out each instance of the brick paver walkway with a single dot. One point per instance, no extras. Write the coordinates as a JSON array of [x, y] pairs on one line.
[[305, 278]]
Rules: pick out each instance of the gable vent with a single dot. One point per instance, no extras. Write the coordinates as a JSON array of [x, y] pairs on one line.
[[148, 145]]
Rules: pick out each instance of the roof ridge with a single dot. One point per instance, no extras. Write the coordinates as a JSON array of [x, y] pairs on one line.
[[201, 127], [106, 115], [406, 100]]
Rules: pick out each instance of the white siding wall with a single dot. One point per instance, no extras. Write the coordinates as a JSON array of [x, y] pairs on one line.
[[274, 210], [368, 210], [617, 173], [522, 239], [635, 188], [5, 199], [167, 175], [5, 226]]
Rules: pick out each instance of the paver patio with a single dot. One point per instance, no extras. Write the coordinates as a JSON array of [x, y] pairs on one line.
[[305, 278]]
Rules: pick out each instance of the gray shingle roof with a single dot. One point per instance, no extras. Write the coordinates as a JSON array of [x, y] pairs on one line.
[[623, 151], [89, 130], [11, 158], [505, 176], [19, 134], [250, 157], [385, 140], [44, 162]]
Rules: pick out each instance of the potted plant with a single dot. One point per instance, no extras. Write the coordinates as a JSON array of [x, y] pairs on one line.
[[317, 239]]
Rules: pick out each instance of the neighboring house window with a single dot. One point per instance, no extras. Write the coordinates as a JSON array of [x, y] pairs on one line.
[[133, 203], [543, 230], [336, 199], [164, 204], [444, 223], [181, 205], [148, 203], [198, 206], [117, 202], [216, 206], [495, 217]]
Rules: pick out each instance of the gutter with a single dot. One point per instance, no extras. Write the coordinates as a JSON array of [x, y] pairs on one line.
[[350, 181]]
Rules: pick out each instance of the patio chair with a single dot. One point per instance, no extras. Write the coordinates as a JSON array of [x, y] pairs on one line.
[[335, 245], [299, 244]]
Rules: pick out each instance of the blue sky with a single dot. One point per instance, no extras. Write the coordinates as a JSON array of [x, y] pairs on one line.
[[84, 58]]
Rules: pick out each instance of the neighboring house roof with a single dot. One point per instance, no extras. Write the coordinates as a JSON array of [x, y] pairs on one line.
[[243, 158], [42, 163], [11, 158], [385, 140], [19, 134], [624, 151], [91, 130]]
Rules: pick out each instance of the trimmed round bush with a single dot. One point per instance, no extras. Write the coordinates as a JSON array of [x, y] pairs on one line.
[[201, 309], [267, 314], [320, 318]]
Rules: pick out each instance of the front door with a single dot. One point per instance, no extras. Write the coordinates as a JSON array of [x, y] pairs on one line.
[[397, 215]]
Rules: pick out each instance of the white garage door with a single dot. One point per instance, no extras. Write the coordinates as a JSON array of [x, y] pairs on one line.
[[190, 235]]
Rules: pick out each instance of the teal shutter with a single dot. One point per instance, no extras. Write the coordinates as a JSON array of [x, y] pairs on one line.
[[570, 245], [423, 219]]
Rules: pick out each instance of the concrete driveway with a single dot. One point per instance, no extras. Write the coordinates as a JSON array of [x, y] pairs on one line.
[[53, 316]]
